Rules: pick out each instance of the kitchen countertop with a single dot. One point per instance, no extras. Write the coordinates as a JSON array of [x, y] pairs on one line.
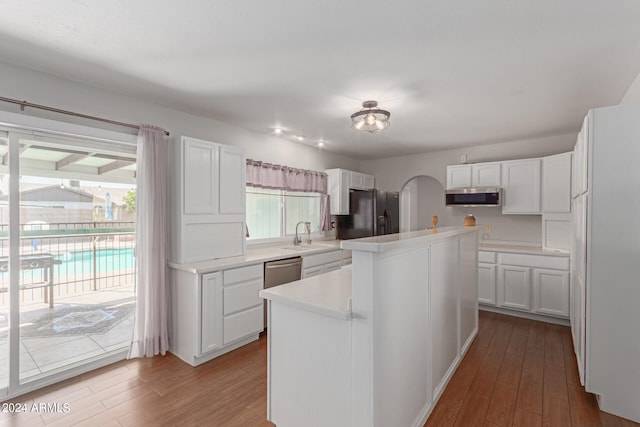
[[406, 239], [328, 294], [260, 253], [531, 248]]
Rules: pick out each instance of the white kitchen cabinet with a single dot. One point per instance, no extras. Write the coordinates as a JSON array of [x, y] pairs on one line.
[[486, 175], [206, 201], [312, 265], [458, 176], [214, 313], [476, 175], [211, 306], [487, 284], [232, 176], [243, 307], [537, 284], [200, 177], [339, 181], [551, 292], [521, 186], [361, 181], [514, 287], [556, 183]]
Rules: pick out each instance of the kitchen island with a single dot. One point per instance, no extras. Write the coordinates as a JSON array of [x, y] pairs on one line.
[[374, 344]]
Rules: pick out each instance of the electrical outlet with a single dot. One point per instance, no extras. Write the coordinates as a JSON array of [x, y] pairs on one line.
[[488, 228]]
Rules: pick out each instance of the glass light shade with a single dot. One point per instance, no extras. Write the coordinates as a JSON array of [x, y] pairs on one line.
[[370, 118]]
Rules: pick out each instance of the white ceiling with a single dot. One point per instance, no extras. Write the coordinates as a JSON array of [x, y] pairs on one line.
[[452, 73]]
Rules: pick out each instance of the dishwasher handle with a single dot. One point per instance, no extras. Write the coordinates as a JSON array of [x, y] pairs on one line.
[[287, 265]]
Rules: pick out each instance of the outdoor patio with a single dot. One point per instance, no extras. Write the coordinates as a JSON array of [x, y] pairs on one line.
[[78, 328]]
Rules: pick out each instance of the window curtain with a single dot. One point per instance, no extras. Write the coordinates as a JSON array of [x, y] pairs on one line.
[[150, 326], [277, 177]]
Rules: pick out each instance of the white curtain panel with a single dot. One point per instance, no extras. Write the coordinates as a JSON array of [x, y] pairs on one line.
[[150, 327]]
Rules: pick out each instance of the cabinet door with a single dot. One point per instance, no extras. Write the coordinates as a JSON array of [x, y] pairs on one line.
[[232, 181], [458, 176], [368, 182], [200, 180], [521, 183], [514, 285], [556, 183], [357, 181], [211, 307], [487, 284], [338, 181], [551, 290], [485, 175]]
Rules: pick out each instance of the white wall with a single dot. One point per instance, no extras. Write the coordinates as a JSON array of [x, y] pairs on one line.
[[633, 93], [39, 88]]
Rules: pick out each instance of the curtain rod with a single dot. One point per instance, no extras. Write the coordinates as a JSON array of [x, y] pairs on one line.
[[24, 104]]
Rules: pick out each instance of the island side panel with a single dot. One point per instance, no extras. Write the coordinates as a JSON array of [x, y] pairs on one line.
[[444, 301], [468, 290], [309, 368], [401, 331], [362, 338]]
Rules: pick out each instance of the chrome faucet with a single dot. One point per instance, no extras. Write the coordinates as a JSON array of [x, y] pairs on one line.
[[307, 225]]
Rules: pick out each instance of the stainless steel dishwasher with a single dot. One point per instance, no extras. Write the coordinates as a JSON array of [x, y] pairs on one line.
[[280, 272]]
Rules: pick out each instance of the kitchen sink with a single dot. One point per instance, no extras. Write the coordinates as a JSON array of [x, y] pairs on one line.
[[305, 247]]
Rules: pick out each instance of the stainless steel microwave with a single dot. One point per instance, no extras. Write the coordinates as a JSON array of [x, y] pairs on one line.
[[472, 197]]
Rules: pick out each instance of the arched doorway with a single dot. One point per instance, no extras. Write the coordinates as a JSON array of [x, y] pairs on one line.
[[421, 197]]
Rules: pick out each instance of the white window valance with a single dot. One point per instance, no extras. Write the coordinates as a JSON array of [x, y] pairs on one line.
[[278, 177]]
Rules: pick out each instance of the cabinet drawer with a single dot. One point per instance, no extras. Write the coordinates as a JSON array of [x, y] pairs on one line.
[[336, 265], [312, 271], [241, 324], [536, 261], [488, 257], [242, 296], [243, 274], [321, 259]]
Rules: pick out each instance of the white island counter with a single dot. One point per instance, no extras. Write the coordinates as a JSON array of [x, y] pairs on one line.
[[376, 344]]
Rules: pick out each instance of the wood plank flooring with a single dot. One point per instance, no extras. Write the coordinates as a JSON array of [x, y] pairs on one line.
[[517, 372]]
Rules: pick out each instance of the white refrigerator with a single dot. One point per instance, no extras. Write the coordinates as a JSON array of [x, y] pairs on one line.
[[605, 269]]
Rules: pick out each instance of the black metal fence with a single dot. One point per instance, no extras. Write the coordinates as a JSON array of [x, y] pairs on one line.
[[89, 257]]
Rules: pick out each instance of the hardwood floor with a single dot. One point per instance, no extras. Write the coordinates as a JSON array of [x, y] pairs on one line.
[[517, 372]]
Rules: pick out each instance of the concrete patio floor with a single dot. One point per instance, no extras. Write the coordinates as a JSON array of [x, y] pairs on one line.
[[42, 355]]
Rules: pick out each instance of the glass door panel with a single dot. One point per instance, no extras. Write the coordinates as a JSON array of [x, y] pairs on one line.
[[76, 250], [4, 265]]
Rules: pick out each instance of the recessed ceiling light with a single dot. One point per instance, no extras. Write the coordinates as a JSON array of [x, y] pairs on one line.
[[320, 143], [277, 131], [300, 137]]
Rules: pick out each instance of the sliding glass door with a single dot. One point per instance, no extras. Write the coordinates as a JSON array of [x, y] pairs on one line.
[[67, 212]]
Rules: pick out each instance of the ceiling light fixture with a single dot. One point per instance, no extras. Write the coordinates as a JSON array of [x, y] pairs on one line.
[[277, 131], [320, 144], [370, 119], [299, 137]]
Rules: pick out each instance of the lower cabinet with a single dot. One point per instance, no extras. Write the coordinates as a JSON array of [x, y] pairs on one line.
[[313, 265], [551, 292], [211, 332], [486, 284], [537, 284], [213, 313], [514, 287]]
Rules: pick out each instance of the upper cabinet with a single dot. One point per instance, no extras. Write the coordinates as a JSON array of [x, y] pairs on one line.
[[476, 175], [556, 183], [207, 201], [458, 176], [338, 185], [521, 186]]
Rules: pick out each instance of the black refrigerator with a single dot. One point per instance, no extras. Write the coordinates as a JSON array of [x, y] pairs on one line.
[[371, 213]]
